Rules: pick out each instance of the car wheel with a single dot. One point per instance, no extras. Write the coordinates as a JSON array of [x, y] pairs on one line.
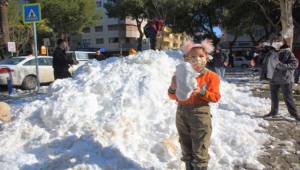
[[29, 83]]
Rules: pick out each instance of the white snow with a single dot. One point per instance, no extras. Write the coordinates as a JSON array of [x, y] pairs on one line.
[[185, 80], [116, 114]]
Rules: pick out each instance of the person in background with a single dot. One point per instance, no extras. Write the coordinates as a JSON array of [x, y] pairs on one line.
[[193, 118], [280, 70], [220, 62], [61, 63], [132, 51], [297, 71], [151, 29], [261, 59], [99, 56]]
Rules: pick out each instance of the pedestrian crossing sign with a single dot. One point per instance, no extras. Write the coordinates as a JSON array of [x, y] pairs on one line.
[[31, 13]]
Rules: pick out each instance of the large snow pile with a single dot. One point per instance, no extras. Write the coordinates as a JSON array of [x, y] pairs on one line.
[[116, 114]]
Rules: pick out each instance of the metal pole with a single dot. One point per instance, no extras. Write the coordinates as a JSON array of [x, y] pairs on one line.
[[36, 56]]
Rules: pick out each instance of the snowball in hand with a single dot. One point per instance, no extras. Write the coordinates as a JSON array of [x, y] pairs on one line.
[[185, 80]]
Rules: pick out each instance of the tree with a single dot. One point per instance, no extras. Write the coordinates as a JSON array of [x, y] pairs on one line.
[[4, 20], [22, 33], [196, 17], [247, 17], [286, 8], [134, 9], [65, 16]]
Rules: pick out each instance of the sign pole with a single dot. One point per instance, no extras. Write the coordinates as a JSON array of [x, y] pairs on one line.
[[32, 14], [36, 56]]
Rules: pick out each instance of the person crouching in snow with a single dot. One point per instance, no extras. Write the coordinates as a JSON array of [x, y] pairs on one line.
[[193, 118]]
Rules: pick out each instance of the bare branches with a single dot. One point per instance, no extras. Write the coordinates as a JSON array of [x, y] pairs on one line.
[[262, 9]]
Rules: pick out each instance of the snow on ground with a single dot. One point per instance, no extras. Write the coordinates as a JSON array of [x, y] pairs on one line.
[[116, 114]]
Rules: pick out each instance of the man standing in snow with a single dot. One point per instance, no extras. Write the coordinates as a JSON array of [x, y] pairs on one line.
[[280, 71], [193, 118], [99, 56], [151, 29], [61, 63]]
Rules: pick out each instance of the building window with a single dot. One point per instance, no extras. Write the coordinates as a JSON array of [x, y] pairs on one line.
[[98, 29], [99, 3], [113, 40], [86, 30], [99, 41], [114, 27], [86, 42]]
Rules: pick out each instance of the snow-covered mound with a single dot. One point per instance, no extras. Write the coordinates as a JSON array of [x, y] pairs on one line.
[[116, 114]]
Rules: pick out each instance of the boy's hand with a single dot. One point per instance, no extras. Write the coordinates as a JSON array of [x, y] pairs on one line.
[[201, 90], [172, 88]]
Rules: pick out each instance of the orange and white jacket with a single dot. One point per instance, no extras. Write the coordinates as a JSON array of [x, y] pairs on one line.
[[212, 93]]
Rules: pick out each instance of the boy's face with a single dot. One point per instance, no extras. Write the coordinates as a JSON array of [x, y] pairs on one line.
[[197, 57]]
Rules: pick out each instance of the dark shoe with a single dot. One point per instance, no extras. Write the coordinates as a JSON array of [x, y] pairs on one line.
[[188, 166], [296, 116], [271, 114]]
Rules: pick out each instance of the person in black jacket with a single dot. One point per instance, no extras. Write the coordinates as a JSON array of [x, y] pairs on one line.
[[61, 63], [282, 70], [220, 62]]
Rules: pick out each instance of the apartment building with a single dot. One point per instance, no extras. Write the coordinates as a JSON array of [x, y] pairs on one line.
[[114, 35], [168, 40]]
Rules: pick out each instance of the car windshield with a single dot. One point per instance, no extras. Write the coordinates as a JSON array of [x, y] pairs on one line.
[[11, 61]]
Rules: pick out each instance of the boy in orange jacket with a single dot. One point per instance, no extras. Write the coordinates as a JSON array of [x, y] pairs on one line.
[[193, 118]]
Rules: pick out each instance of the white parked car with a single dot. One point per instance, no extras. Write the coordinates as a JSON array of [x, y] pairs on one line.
[[80, 56], [23, 71], [241, 62]]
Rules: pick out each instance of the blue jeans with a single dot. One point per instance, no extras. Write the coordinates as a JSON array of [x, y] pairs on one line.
[[297, 75], [221, 72]]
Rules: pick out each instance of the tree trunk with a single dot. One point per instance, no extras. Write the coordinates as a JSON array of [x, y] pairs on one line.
[[140, 39], [286, 8], [4, 22]]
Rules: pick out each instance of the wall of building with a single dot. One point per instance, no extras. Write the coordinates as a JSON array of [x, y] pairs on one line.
[[169, 40], [111, 33]]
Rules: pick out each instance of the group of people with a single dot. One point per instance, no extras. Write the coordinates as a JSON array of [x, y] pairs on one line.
[[278, 65], [193, 118]]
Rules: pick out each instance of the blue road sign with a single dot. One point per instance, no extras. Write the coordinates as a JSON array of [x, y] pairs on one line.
[[31, 13]]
